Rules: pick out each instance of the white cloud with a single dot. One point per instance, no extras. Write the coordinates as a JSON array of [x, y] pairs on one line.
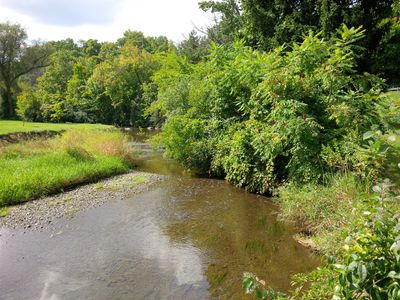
[[66, 13], [172, 18]]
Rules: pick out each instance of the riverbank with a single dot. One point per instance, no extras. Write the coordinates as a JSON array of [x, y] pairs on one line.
[[17, 137], [35, 168], [321, 212], [13, 126], [41, 213]]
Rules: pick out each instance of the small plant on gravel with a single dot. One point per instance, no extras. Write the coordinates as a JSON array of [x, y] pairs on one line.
[[137, 179], [99, 186], [4, 211]]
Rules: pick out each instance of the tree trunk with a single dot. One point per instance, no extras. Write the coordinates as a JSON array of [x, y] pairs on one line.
[[10, 103]]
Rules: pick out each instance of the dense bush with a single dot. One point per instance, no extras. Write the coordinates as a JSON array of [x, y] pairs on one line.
[[269, 117]]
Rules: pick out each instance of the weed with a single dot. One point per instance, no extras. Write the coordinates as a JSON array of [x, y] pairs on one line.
[[315, 208], [99, 186], [137, 179], [4, 211]]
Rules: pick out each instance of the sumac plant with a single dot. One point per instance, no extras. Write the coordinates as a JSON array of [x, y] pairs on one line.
[[269, 117]]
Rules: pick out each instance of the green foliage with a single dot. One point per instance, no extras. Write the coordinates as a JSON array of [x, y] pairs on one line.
[[17, 59], [370, 264], [148, 43], [318, 284], [28, 106], [238, 158], [252, 284], [52, 85], [228, 27], [269, 24], [117, 84], [82, 108], [367, 266], [194, 47], [86, 81], [185, 141], [269, 117]]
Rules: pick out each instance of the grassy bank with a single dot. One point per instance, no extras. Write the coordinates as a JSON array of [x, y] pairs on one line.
[[321, 211], [35, 168], [352, 219], [8, 126], [357, 232]]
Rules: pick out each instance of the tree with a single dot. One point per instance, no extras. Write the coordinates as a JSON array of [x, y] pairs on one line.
[[28, 106], [52, 85], [17, 59], [267, 24], [116, 85], [91, 47], [149, 43], [194, 47], [81, 106], [228, 20]]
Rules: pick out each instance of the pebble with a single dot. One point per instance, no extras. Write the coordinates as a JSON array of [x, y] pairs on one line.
[[43, 212]]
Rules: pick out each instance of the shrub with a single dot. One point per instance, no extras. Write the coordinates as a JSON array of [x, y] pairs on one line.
[[262, 118], [185, 140], [370, 263]]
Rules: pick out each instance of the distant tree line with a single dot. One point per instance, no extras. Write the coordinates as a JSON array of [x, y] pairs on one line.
[[85, 81]]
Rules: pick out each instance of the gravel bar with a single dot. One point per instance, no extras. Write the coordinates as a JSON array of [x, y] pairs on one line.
[[40, 214]]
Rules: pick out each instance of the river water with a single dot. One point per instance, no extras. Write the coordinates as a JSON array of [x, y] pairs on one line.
[[186, 238]]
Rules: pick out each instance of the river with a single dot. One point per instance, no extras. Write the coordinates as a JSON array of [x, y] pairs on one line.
[[185, 238]]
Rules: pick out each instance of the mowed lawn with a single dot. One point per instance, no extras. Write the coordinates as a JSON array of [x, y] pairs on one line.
[[8, 126]]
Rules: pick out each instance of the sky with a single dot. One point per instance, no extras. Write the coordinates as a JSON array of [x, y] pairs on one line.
[[105, 20]]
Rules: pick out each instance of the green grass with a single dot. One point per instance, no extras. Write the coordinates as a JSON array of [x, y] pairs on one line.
[[137, 179], [394, 95], [7, 126], [31, 169], [320, 211]]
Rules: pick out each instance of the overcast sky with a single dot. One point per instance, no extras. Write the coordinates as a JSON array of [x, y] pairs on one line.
[[105, 20]]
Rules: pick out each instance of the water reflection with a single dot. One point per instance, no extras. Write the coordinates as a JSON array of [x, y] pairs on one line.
[[187, 238], [117, 251], [238, 231]]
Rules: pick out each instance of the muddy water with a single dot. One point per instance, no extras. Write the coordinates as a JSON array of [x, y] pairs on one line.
[[187, 238]]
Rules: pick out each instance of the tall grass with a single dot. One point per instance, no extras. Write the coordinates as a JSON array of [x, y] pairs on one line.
[[32, 169], [321, 211]]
